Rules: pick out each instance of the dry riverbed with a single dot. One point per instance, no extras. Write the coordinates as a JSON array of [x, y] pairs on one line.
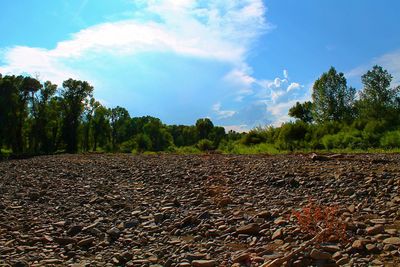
[[195, 210]]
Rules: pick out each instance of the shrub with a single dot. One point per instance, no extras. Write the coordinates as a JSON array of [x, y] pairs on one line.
[[314, 218], [143, 143], [205, 145], [252, 138], [390, 139]]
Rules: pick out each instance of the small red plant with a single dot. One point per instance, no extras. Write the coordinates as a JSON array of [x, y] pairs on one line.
[[314, 218]]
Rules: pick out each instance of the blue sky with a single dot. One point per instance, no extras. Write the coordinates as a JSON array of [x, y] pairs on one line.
[[241, 63]]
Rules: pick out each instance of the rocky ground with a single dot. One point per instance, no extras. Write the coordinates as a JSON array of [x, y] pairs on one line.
[[205, 210]]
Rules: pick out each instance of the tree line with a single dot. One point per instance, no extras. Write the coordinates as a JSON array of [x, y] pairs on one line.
[[339, 116], [42, 118]]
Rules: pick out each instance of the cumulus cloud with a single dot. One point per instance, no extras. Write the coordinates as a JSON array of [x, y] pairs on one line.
[[270, 99]]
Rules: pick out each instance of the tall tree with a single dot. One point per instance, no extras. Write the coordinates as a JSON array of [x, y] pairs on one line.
[[101, 127], [377, 99], [119, 122], [73, 93], [204, 128], [333, 100], [41, 129]]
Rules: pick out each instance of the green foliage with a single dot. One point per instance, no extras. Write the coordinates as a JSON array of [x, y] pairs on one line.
[[302, 111], [205, 145], [40, 118], [332, 99], [291, 135], [378, 100], [390, 140], [253, 137], [142, 142]]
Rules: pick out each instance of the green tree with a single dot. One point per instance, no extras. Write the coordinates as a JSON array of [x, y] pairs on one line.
[[41, 126], [119, 122], [204, 128], [332, 99], [73, 93], [377, 99], [302, 111], [101, 127]]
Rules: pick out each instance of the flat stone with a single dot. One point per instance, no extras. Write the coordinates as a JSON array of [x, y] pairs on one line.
[[376, 229], [204, 263], [249, 229], [320, 255], [86, 242], [392, 241]]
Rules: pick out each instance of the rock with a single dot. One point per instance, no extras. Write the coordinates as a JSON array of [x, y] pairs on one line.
[[343, 261], [320, 255], [204, 263], [358, 245], [20, 264], [74, 230], [277, 234], [195, 256], [86, 242], [316, 157], [351, 208], [374, 230], [372, 248], [114, 233], [249, 229], [392, 241], [243, 257], [264, 214], [64, 240]]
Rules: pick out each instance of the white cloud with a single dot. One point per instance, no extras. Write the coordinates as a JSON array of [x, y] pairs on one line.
[[293, 86], [285, 74], [389, 61], [222, 114], [216, 30]]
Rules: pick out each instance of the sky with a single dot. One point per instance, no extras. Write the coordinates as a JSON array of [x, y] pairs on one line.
[[241, 63]]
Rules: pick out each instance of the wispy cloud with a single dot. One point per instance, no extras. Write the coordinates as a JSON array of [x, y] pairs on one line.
[[222, 114], [389, 61]]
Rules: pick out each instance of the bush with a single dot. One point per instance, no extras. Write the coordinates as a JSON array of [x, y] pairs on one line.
[[252, 138], [205, 145], [292, 135], [128, 146], [142, 143], [390, 140]]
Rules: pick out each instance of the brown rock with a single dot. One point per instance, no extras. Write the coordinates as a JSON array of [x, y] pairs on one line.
[[320, 255], [204, 263], [392, 241], [249, 229], [374, 230]]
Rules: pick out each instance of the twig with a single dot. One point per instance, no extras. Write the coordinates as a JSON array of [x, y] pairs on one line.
[[280, 261]]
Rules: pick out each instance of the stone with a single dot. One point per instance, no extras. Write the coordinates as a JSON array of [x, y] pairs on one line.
[[242, 257], [249, 229], [358, 245], [86, 242], [204, 263], [64, 240], [376, 229], [114, 233], [320, 255], [392, 241], [278, 234]]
